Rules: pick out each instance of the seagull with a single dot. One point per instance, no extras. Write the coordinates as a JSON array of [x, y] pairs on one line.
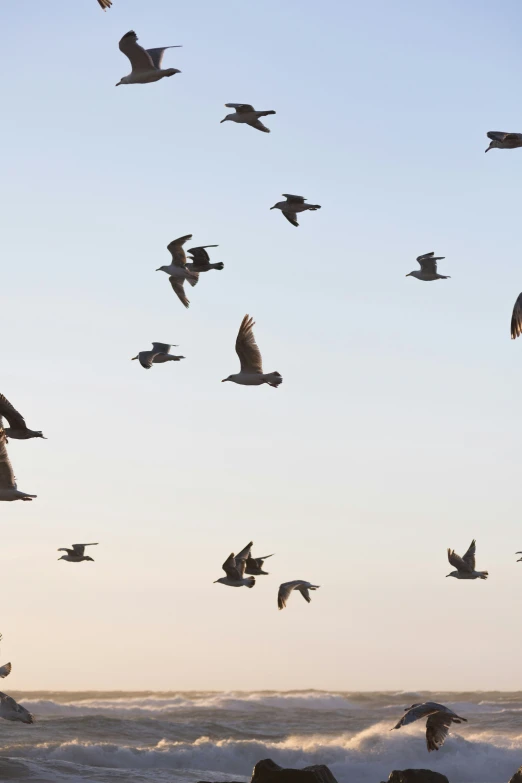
[[177, 269], [18, 429], [439, 721], [520, 558], [76, 554], [6, 668], [254, 565], [245, 113], [200, 260], [105, 4], [159, 355], [234, 568], [292, 206], [298, 584], [465, 565], [146, 63], [251, 373], [428, 268], [10, 710], [504, 141], [516, 319], [8, 489]]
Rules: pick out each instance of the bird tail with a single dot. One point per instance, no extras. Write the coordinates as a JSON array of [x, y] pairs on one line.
[[219, 265], [250, 582], [274, 379], [265, 113], [445, 277], [314, 207], [483, 574]]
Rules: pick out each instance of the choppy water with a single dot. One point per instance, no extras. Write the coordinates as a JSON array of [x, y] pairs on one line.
[[186, 737]]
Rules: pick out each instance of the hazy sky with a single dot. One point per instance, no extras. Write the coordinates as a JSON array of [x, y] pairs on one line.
[[397, 430]]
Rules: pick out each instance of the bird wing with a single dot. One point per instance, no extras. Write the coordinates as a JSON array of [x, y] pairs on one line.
[[457, 562], [179, 290], [245, 553], [79, 549], [156, 55], [7, 478], [5, 670], [284, 593], [193, 277], [291, 217], [496, 135], [241, 108], [428, 262], [469, 557], [437, 728], [303, 589], [15, 707], [230, 568], [175, 248], [9, 412], [416, 712], [295, 199], [139, 58], [516, 319], [146, 358], [161, 348], [246, 347], [259, 126], [105, 4], [69, 551], [200, 255]]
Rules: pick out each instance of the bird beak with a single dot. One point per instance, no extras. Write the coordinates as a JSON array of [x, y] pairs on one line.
[[158, 270], [488, 149], [222, 121], [224, 379], [214, 583], [133, 358], [117, 85], [409, 274], [272, 207], [447, 575]]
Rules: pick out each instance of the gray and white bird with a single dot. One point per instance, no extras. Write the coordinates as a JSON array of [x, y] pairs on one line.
[[159, 355], [516, 319], [465, 565], [11, 710], [177, 269], [76, 554], [438, 724], [200, 260], [504, 141], [234, 568], [105, 4], [146, 63], [428, 268], [251, 373], [292, 206], [288, 587], [18, 429], [8, 488], [245, 113]]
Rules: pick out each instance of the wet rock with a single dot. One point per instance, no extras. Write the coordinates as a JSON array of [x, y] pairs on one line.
[[267, 771], [517, 777], [419, 776]]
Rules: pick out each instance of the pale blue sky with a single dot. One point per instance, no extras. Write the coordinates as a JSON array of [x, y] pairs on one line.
[[396, 432]]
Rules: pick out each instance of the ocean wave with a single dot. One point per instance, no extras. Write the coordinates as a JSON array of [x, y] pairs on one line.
[[366, 757]]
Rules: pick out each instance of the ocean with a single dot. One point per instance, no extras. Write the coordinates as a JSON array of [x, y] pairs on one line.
[[101, 737]]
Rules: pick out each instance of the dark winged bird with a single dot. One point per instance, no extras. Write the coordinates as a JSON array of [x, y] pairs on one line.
[[76, 554], [428, 268], [251, 373], [438, 724], [177, 270], [504, 141], [17, 429], [146, 63], [234, 568], [200, 260], [159, 355], [465, 565], [287, 588], [516, 319], [292, 206], [245, 113], [105, 4]]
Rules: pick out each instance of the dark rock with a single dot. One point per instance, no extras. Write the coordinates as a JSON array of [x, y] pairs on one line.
[[517, 777], [419, 776], [267, 771]]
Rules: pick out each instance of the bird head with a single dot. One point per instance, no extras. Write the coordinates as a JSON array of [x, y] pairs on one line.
[[226, 379], [162, 269], [219, 581], [409, 274], [453, 573], [62, 557], [226, 118], [89, 558], [274, 207]]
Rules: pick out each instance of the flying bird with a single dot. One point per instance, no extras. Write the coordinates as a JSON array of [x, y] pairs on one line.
[[200, 260], [234, 568], [428, 268], [76, 554], [146, 63], [10, 710], [251, 373], [298, 584], [438, 724], [254, 565], [18, 429], [465, 565], [6, 668], [245, 113], [504, 141], [159, 355], [8, 488], [105, 4], [516, 319], [520, 558], [177, 269], [292, 206]]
